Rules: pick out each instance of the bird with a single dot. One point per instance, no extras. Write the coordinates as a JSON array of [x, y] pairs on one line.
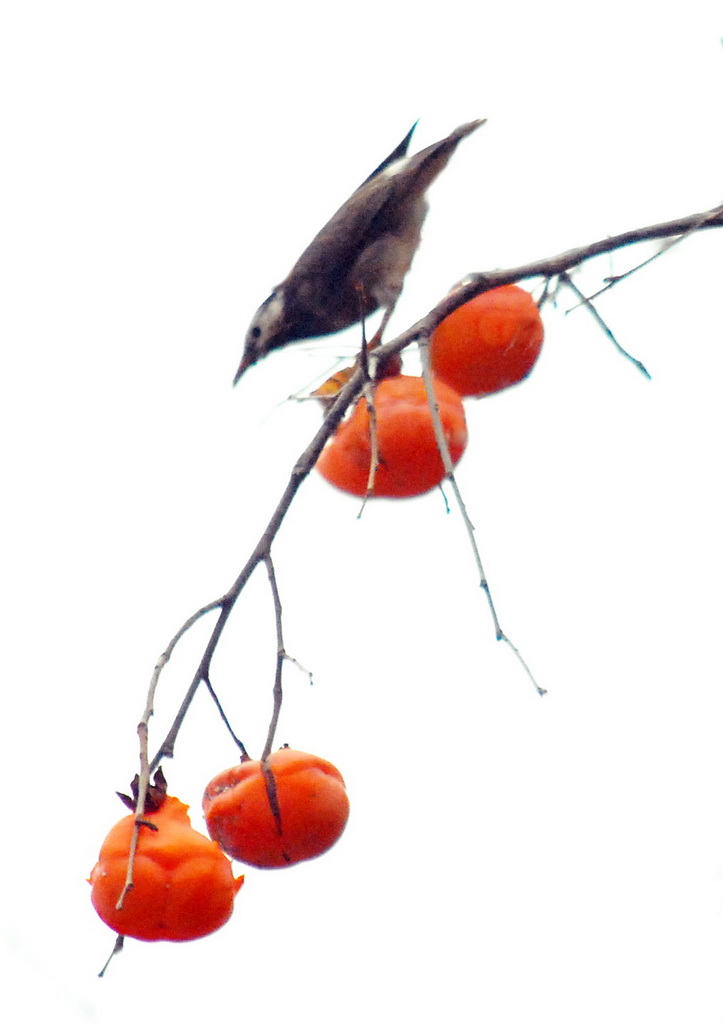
[[358, 261]]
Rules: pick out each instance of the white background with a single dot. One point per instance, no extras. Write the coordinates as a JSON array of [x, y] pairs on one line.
[[508, 858]]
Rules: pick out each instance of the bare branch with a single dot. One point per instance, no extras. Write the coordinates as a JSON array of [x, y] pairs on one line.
[[476, 284], [301, 470], [553, 266]]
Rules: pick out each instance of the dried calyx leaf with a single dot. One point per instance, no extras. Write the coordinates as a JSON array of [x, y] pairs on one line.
[[155, 795]]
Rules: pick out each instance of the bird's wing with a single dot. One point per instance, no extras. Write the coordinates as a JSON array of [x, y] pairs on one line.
[[396, 154], [375, 207], [348, 233], [424, 166]]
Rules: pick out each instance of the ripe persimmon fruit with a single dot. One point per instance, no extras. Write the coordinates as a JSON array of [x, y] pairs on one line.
[[409, 460], [489, 343], [183, 885], [271, 814]]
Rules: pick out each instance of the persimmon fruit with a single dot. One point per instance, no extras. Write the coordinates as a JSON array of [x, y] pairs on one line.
[[489, 343], [271, 814], [409, 460], [183, 884]]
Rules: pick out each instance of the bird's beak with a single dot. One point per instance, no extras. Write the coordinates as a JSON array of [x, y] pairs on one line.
[[248, 360]]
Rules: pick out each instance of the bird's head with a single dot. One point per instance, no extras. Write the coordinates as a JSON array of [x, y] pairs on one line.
[[267, 331]]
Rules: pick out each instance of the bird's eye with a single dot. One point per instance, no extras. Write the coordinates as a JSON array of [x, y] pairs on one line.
[[255, 332]]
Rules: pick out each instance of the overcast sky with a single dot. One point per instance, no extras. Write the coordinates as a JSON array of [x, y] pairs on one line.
[[508, 858]]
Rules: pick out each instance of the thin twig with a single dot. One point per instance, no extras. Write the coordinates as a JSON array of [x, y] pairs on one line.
[[144, 774], [369, 389], [224, 718], [302, 668], [368, 392], [449, 470], [701, 220], [372, 414], [280, 655], [588, 304]]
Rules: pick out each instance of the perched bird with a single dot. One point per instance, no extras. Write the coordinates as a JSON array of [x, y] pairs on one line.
[[358, 261]]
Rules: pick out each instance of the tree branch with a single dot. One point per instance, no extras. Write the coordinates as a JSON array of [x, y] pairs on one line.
[[474, 285]]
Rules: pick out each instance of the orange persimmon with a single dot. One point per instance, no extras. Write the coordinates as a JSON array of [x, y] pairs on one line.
[[290, 808], [183, 885], [489, 343], [409, 460]]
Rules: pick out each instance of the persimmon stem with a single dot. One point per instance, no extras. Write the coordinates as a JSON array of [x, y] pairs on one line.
[[117, 948], [273, 798]]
